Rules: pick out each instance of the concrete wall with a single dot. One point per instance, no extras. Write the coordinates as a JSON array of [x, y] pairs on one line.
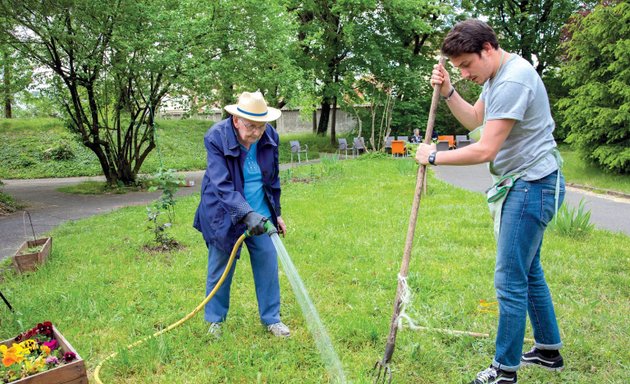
[[290, 121]]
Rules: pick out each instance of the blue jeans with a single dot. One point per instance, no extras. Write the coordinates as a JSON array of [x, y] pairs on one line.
[[264, 262], [519, 279]]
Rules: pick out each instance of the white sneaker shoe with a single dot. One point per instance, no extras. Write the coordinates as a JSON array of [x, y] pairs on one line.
[[279, 329], [215, 330]]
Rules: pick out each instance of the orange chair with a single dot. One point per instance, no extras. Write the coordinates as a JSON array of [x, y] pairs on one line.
[[398, 148], [449, 138]]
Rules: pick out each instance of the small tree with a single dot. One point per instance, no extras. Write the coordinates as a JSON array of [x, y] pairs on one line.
[[113, 63], [597, 110]]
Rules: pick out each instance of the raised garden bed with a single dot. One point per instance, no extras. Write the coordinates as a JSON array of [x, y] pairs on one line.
[[31, 254], [67, 373]]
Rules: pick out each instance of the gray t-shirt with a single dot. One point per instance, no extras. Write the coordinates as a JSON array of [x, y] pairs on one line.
[[518, 93]]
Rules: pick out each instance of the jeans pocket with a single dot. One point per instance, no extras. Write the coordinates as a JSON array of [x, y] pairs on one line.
[[548, 206]]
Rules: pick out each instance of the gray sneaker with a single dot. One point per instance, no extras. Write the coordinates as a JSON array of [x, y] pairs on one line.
[[215, 330], [279, 329]]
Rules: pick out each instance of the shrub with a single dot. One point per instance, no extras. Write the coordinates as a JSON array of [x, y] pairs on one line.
[[61, 151], [573, 222]]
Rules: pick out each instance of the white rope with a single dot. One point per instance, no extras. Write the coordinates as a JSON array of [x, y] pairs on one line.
[[405, 299]]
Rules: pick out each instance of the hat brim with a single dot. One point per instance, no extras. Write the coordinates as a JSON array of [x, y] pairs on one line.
[[271, 115]]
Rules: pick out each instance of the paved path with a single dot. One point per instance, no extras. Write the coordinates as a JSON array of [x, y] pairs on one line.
[[607, 212], [49, 208]]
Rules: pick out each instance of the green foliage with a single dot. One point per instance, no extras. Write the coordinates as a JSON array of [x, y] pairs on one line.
[[7, 204], [577, 170], [60, 151], [15, 75], [346, 237], [532, 29], [556, 90], [597, 110], [168, 182], [573, 222]]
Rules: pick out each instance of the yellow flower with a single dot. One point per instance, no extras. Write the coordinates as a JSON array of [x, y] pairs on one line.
[[45, 349], [30, 345], [12, 355]]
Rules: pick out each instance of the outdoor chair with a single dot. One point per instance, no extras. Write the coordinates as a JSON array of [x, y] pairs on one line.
[[403, 138], [388, 144], [343, 147], [398, 148], [297, 149], [462, 140], [442, 145], [358, 146], [449, 138]]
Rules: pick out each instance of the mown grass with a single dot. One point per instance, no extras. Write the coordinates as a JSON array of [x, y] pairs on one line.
[[27, 143], [578, 171], [347, 225]]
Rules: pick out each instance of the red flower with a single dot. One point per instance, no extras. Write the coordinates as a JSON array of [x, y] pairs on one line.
[[69, 356], [45, 328]]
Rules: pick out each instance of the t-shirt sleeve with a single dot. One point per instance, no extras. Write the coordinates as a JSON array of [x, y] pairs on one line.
[[509, 100]]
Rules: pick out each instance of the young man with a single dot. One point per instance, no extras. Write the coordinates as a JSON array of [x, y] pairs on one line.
[[517, 140], [240, 191]]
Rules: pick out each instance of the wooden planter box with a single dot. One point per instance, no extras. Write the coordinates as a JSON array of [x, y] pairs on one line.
[[71, 373], [30, 261]]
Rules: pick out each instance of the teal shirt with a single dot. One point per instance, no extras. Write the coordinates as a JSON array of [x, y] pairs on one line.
[[253, 187]]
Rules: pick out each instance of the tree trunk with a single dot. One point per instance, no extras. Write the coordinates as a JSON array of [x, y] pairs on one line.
[[315, 120], [322, 128], [333, 130], [7, 86]]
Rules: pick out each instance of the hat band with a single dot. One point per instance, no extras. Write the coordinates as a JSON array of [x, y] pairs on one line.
[[251, 113]]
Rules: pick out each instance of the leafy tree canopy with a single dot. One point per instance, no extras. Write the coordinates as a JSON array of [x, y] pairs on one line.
[[597, 110]]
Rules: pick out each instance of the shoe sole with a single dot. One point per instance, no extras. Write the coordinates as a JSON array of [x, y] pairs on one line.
[[552, 369]]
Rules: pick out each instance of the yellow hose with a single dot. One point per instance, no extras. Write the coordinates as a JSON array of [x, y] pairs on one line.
[[184, 319]]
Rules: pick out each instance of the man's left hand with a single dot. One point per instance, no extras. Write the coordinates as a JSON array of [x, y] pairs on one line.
[[423, 152]]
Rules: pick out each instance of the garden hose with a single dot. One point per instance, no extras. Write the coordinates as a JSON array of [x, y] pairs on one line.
[[269, 228]]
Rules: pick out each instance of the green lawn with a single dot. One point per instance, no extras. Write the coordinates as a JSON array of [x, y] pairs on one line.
[[28, 144], [579, 172], [347, 224]]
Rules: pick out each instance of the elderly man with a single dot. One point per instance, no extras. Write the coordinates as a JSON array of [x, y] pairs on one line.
[[240, 191]]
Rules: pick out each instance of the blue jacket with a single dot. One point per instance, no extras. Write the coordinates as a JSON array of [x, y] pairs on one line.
[[223, 204]]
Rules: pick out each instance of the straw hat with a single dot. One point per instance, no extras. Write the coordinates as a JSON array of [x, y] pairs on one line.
[[252, 106]]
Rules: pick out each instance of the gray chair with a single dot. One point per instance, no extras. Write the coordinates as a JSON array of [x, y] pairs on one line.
[[461, 141], [442, 145], [388, 144], [297, 149], [358, 146], [343, 147], [403, 138]]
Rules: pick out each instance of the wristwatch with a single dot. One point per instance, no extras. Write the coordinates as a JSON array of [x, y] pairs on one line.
[[432, 158]]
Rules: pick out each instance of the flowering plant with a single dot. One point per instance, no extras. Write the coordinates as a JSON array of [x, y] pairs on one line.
[[31, 352]]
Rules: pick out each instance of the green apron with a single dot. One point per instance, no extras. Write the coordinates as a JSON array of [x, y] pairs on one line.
[[502, 184]]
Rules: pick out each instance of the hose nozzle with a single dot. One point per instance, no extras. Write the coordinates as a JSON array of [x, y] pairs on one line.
[[270, 229]]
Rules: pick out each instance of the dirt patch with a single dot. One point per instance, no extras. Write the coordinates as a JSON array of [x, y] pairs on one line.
[[6, 209], [162, 248]]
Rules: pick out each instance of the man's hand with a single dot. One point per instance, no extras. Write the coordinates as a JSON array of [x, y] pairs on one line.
[[441, 76], [255, 223], [423, 152]]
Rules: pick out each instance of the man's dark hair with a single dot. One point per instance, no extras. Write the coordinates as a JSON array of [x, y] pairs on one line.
[[469, 36]]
